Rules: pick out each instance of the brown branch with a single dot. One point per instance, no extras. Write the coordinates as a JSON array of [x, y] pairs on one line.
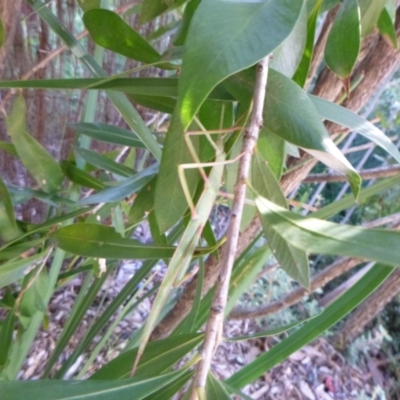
[[381, 172], [215, 320]]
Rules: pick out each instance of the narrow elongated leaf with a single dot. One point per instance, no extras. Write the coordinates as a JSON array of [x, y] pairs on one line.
[[293, 260], [93, 240], [158, 357], [87, 5], [300, 77], [123, 189], [79, 176], [370, 12], [6, 199], [2, 35], [215, 389], [6, 336], [151, 9], [103, 162], [386, 27], [33, 156], [109, 30], [323, 237], [108, 133], [343, 44], [12, 271], [310, 331], [73, 390], [343, 116]]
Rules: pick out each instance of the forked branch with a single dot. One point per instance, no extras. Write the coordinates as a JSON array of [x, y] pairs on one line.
[[215, 321]]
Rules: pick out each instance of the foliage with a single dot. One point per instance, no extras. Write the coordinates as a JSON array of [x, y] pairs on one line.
[[207, 95]]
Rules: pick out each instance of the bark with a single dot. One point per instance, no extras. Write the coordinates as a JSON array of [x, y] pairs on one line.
[[378, 62]]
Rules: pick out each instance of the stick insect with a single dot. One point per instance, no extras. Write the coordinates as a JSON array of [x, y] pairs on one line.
[[191, 237]]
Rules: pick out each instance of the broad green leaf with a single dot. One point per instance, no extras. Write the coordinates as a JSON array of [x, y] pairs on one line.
[[286, 58], [125, 188], [314, 328], [343, 116], [158, 357], [93, 240], [2, 34], [6, 199], [87, 5], [108, 133], [109, 30], [73, 390], [151, 9], [343, 44], [80, 177], [12, 271], [322, 237], [370, 12], [387, 28], [103, 162], [292, 259], [300, 77], [263, 27], [290, 114], [272, 150], [215, 389], [33, 156]]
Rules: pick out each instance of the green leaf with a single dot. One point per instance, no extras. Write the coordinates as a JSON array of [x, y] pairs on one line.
[[215, 389], [93, 240], [301, 75], [143, 203], [9, 148], [125, 188], [6, 199], [314, 328], [343, 116], [387, 28], [2, 34], [151, 9], [109, 30], [292, 259], [87, 5], [6, 336], [370, 12], [158, 357], [343, 44], [190, 9], [287, 57], [263, 27], [12, 271], [323, 237], [103, 162], [108, 133], [69, 390], [79, 176], [33, 156], [290, 114]]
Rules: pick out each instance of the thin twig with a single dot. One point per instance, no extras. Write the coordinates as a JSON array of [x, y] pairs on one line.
[[382, 172], [215, 321]]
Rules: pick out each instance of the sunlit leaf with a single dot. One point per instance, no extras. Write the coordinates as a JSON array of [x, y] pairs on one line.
[[324, 237], [109, 30], [370, 12]]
